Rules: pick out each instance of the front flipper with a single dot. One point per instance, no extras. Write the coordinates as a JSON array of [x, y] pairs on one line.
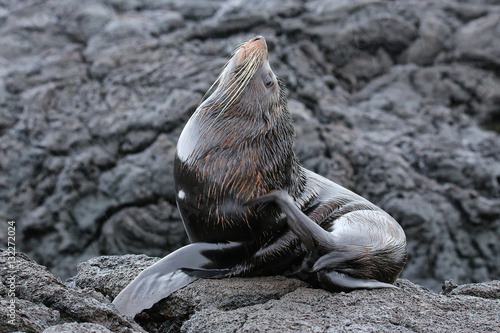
[[171, 273]]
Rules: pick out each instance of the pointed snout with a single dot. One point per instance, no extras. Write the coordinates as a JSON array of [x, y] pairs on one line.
[[256, 45]]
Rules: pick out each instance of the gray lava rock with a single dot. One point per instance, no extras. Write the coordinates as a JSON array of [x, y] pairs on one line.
[[43, 301], [77, 328], [261, 304], [398, 101], [410, 308], [477, 41], [485, 290]]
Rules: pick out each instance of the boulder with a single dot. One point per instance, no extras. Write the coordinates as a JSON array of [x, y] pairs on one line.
[[261, 304]]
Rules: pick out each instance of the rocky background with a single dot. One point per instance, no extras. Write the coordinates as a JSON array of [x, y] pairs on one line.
[[263, 304], [396, 100]]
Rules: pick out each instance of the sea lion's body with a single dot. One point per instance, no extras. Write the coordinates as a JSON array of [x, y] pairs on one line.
[[248, 206]]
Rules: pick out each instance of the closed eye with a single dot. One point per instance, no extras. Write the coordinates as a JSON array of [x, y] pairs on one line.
[[268, 80]]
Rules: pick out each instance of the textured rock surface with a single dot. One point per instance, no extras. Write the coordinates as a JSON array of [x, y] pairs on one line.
[[261, 304], [43, 301], [398, 101]]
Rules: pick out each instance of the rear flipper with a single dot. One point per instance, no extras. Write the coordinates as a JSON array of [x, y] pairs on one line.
[[335, 259], [309, 233], [336, 281], [171, 273]]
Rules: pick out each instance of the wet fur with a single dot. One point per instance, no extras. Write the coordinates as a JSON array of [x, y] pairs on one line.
[[250, 208]]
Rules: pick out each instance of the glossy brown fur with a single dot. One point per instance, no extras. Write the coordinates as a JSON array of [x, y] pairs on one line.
[[231, 161], [248, 206], [236, 147]]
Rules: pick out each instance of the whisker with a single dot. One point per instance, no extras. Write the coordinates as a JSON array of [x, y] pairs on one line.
[[241, 77]]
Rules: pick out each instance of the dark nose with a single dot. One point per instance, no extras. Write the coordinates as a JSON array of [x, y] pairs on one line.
[[259, 37]]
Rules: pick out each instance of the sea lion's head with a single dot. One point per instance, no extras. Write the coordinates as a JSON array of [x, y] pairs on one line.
[[239, 142], [248, 87]]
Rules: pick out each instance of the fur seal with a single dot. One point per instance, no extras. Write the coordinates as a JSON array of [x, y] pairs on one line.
[[248, 206]]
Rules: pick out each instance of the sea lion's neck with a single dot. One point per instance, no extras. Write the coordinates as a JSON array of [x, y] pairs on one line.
[[239, 142], [252, 154]]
